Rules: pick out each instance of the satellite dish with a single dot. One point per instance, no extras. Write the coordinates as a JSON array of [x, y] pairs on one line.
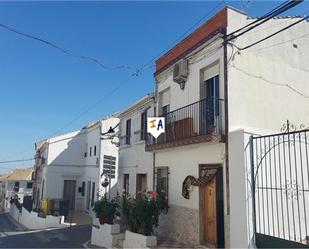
[[104, 180]]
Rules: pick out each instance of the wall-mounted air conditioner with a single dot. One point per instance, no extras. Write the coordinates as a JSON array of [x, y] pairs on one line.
[[180, 73]]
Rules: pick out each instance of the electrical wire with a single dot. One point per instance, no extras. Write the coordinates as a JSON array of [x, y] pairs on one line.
[[263, 19], [183, 34], [271, 82], [65, 51], [280, 22], [260, 18], [136, 73], [273, 34], [279, 43], [106, 96], [17, 160]]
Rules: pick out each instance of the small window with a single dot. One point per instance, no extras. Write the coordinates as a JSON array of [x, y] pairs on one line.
[[165, 109], [141, 183], [128, 131], [126, 184], [16, 184], [90, 151], [95, 150], [29, 184], [92, 194], [143, 125], [162, 180], [83, 188]]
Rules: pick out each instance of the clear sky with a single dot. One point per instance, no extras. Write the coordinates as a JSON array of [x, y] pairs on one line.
[[42, 89]]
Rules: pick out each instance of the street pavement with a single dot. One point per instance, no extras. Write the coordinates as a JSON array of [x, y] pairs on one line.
[[14, 236]]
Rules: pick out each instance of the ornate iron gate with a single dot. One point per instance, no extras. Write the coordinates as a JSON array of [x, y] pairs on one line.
[[280, 186]]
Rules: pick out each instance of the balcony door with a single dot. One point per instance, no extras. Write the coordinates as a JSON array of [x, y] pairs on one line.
[[210, 105]]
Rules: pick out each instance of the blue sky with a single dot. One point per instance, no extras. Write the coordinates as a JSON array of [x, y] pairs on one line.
[[43, 89]]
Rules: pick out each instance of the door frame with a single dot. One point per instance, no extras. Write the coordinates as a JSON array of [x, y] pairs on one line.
[[73, 199], [219, 206]]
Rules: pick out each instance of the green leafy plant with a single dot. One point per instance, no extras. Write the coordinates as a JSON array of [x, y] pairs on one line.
[[142, 212], [106, 210]]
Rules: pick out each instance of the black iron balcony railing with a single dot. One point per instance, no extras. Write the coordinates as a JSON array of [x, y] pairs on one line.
[[203, 117]]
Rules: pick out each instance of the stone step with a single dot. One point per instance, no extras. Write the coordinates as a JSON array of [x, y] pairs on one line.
[[118, 240]]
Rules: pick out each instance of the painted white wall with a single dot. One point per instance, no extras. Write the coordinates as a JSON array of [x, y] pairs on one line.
[[184, 161], [237, 186], [68, 158], [31, 220], [257, 78], [132, 158]]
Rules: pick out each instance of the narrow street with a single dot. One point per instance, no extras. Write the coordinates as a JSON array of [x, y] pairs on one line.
[[13, 236]]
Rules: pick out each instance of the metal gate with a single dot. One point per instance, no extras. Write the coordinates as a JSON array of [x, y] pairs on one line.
[[280, 188]]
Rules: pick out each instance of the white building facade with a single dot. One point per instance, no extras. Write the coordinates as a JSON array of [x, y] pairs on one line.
[[136, 170], [72, 165], [207, 92], [15, 185]]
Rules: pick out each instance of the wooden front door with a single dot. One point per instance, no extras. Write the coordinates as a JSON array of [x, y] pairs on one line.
[[210, 213]]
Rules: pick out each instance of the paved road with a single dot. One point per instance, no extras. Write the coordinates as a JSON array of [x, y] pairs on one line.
[[13, 236]]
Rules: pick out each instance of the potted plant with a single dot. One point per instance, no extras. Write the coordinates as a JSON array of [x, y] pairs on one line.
[[142, 215], [103, 228]]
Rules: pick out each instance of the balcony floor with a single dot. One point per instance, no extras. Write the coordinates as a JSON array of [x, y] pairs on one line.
[[209, 138]]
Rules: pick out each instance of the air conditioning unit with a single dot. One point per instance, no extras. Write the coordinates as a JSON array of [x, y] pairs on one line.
[[180, 73]]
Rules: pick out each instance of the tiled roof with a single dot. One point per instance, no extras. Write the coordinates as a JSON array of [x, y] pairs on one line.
[[18, 175]]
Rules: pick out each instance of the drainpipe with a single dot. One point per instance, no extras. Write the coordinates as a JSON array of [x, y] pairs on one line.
[[226, 123], [154, 154]]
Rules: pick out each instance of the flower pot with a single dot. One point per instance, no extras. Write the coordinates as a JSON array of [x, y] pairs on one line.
[[104, 235], [136, 240]]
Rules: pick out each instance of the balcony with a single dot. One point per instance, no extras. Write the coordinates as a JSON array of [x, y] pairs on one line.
[[195, 123]]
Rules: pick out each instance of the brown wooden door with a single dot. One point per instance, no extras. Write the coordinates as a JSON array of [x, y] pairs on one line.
[[210, 214]]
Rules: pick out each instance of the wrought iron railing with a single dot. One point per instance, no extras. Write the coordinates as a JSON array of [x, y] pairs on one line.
[[200, 118]]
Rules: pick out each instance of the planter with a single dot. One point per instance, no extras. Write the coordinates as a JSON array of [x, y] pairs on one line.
[[104, 235], [136, 240]]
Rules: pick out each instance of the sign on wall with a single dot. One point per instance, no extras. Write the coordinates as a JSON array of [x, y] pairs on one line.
[[156, 126], [109, 166]]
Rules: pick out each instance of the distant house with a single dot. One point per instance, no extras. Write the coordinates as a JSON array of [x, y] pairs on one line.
[[69, 167], [17, 184], [135, 165]]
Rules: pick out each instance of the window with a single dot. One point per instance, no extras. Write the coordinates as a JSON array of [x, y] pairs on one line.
[[16, 186], [83, 188], [162, 179], [92, 194], [143, 125], [141, 183], [128, 131], [164, 101], [165, 109], [43, 183], [126, 184], [95, 150], [29, 184], [90, 151]]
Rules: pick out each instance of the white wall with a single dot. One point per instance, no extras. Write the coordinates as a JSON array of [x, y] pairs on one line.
[[66, 160], [257, 78], [132, 158], [31, 220], [184, 161], [237, 189]]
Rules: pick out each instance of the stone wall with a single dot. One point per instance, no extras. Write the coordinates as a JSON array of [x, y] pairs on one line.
[[180, 224]]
